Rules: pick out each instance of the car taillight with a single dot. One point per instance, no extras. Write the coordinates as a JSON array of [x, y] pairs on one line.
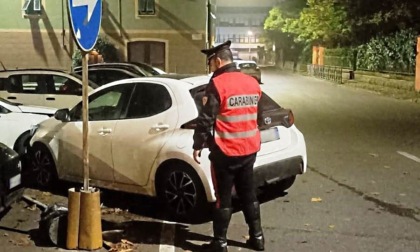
[[189, 125], [290, 118]]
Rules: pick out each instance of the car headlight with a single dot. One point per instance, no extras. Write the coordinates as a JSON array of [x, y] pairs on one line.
[[33, 129]]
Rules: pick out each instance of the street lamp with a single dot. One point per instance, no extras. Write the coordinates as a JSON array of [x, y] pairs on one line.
[[249, 43]]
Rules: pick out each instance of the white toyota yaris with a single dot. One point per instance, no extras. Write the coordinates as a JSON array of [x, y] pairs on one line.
[[140, 134]]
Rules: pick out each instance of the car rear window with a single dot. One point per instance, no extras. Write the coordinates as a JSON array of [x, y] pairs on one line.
[[247, 65]]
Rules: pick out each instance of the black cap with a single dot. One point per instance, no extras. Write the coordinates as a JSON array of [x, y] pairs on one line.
[[212, 51]]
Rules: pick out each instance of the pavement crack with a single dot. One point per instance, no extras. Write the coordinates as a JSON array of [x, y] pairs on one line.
[[389, 207]]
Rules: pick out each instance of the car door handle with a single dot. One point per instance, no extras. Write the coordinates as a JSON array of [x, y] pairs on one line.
[[160, 127], [11, 98], [50, 99], [104, 131]]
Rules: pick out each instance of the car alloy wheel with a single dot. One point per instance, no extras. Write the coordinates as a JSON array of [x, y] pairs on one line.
[[42, 167], [180, 192]]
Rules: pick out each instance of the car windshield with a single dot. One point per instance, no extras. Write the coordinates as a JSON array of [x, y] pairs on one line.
[[10, 103], [248, 65], [91, 83]]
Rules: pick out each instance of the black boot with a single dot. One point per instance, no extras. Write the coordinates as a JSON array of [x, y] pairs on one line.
[[253, 219], [221, 219]]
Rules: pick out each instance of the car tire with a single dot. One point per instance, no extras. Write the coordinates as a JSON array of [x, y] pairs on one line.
[[285, 184], [43, 171], [181, 192]]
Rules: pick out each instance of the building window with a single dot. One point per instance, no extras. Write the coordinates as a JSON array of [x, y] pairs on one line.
[[32, 7], [146, 7]]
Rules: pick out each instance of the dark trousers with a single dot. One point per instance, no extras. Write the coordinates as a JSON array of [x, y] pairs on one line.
[[229, 171]]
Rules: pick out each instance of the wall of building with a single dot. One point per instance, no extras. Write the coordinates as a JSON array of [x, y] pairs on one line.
[[45, 41], [242, 22]]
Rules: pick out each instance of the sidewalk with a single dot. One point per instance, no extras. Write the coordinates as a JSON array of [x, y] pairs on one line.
[[389, 88]]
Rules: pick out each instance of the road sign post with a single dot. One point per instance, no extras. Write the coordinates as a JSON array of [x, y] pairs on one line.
[[85, 21]]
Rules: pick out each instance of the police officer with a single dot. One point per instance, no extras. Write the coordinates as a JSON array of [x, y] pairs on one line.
[[227, 124]]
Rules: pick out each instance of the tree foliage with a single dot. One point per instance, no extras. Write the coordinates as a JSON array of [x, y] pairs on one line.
[[275, 22], [321, 22]]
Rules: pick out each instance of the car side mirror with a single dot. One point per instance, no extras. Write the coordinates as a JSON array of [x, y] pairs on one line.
[[62, 115]]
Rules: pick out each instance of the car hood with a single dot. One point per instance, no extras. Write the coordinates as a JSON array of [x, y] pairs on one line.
[[37, 110]]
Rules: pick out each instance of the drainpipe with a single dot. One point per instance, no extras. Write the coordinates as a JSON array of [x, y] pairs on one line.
[[63, 30], [120, 17], [208, 21]]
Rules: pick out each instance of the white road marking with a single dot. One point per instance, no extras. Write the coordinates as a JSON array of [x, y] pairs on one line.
[[408, 155], [167, 237]]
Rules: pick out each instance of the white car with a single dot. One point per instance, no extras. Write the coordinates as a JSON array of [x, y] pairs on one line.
[[249, 67], [141, 137], [16, 121], [42, 87]]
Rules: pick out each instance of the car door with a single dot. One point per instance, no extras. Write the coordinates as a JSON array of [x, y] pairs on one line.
[[105, 108], [25, 89], [62, 92], [151, 118]]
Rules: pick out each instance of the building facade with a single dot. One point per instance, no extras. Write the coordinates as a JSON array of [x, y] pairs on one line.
[[164, 33], [242, 22]]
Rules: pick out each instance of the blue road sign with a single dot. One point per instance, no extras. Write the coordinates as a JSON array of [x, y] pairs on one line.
[[85, 20]]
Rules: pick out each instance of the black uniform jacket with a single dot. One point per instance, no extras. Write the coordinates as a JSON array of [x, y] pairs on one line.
[[203, 134]]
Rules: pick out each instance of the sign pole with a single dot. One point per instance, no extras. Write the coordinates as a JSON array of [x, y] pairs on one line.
[[84, 228], [85, 80]]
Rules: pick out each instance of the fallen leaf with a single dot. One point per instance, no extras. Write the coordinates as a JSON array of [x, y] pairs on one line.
[[127, 242], [307, 225], [246, 237], [331, 226], [374, 155], [5, 234], [403, 194], [32, 208], [387, 167], [316, 199]]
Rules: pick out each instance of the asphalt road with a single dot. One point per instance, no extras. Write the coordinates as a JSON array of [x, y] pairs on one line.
[[361, 191]]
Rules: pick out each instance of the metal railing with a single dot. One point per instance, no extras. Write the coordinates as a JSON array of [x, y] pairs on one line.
[[331, 73]]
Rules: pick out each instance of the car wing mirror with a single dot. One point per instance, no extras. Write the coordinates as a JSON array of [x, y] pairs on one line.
[[62, 115]]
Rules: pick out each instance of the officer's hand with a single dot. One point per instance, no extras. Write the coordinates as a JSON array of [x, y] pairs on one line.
[[197, 155]]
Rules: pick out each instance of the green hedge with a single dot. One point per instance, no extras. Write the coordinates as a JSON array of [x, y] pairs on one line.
[[394, 53]]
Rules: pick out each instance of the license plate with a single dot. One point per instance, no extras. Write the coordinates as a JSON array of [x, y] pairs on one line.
[[15, 181], [269, 135]]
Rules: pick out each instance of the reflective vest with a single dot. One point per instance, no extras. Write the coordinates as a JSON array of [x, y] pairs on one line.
[[236, 131]]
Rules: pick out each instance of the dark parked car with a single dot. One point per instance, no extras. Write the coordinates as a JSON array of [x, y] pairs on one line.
[[10, 177], [104, 75]]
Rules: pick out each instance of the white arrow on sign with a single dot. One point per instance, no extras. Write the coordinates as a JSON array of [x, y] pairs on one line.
[[90, 6]]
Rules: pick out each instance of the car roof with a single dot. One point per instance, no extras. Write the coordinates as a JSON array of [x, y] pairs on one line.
[[117, 65], [30, 70], [188, 82]]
